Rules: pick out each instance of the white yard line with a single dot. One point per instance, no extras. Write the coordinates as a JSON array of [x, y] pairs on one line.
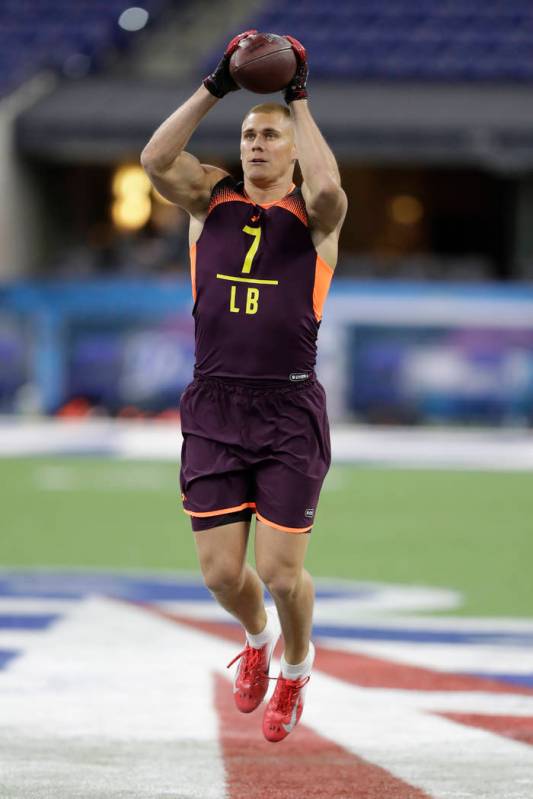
[[22, 605], [112, 702], [115, 702], [491, 450], [138, 477], [464, 624], [453, 448], [447, 760], [350, 610], [484, 703], [20, 640], [482, 658]]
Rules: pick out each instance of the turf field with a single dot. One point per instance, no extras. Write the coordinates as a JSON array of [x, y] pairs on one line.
[[471, 531], [116, 681]]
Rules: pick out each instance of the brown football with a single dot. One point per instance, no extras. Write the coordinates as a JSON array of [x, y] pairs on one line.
[[263, 63]]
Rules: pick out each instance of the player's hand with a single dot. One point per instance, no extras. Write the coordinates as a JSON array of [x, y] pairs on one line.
[[297, 88], [220, 82]]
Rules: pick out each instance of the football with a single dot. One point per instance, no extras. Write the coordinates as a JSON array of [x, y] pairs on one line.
[[263, 63]]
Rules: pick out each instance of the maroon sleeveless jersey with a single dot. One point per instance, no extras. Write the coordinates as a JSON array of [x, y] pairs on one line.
[[258, 286]]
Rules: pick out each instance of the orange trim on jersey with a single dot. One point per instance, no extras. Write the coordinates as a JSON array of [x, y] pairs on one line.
[[295, 205], [323, 275], [226, 196], [274, 202], [202, 515], [192, 254], [294, 530]]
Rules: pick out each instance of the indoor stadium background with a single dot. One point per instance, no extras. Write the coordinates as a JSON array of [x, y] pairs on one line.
[[426, 347]]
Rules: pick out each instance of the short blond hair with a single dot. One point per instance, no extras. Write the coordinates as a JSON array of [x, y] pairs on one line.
[[269, 108]]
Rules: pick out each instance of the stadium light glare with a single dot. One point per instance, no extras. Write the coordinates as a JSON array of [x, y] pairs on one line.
[[132, 204], [132, 213], [131, 179], [133, 18], [405, 209]]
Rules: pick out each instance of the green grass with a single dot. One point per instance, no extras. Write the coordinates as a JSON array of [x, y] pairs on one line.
[[471, 531]]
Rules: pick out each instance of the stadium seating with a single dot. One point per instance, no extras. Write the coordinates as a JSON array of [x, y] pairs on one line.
[[394, 39], [71, 37], [451, 40]]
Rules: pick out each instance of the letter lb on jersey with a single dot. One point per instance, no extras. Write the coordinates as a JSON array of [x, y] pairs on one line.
[[259, 287]]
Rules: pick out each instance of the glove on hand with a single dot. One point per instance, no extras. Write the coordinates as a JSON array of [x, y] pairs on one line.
[[297, 88], [220, 82]]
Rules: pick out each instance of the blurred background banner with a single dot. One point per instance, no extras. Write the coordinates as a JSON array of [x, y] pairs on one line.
[[107, 345], [391, 353]]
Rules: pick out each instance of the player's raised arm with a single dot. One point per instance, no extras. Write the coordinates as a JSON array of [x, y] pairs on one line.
[[178, 175], [324, 197]]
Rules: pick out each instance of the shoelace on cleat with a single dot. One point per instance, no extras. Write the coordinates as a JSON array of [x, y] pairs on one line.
[[252, 661], [286, 695]]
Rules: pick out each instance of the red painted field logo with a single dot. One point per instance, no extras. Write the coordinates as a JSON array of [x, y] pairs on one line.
[[116, 673]]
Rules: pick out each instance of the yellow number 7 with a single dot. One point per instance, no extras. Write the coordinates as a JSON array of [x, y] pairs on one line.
[[250, 255]]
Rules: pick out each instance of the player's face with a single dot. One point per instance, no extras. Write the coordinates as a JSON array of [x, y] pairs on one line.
[[268, 151]]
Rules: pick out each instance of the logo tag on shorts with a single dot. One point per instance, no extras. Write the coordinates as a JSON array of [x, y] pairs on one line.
[[297, 376], [310, 512]]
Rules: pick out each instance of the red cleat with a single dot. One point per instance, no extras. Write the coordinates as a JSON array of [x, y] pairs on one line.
[[251, 678], [285, 708]]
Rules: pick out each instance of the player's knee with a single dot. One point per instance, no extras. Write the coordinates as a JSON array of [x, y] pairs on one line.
[[281, 584], [221, 578]]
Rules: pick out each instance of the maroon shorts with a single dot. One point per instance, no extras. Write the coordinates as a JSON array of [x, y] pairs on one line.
[[265, 448]]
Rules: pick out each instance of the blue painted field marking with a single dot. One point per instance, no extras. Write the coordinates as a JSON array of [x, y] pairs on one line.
[[74, 586], [11, 593], [7, 655], [514, 679], [77, 585], [27, 621], [426, 636]]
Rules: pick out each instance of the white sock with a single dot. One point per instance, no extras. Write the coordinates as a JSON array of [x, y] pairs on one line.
[[294, 671], [266, 635]]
